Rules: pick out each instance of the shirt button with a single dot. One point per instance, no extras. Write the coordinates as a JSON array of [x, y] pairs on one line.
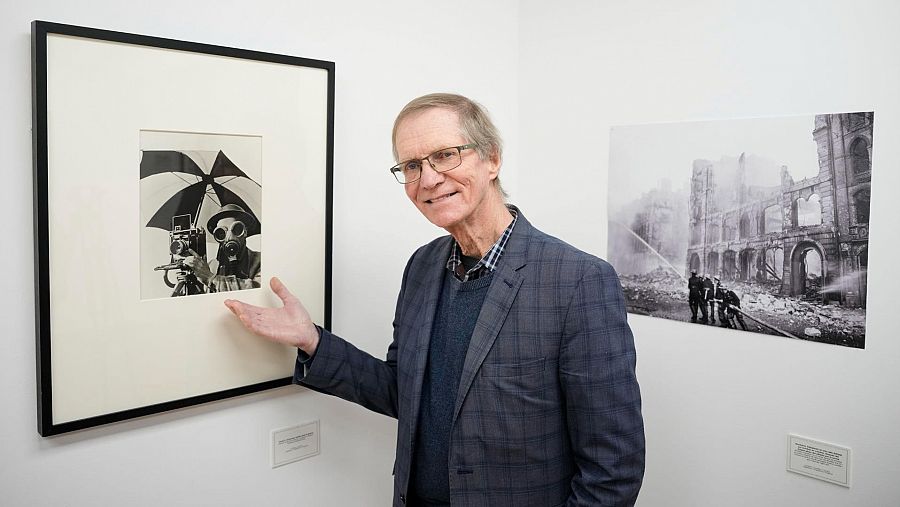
[[402, 499]]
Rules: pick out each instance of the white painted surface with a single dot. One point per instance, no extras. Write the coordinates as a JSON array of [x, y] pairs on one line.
[[386, 53], [556, 76], [717, 405]]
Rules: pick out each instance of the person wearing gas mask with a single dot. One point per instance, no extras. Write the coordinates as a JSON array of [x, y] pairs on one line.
[[238, 267]]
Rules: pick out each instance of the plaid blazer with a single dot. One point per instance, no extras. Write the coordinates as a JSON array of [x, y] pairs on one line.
[[548, 410]]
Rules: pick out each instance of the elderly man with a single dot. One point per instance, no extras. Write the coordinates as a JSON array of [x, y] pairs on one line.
[[511, 370]]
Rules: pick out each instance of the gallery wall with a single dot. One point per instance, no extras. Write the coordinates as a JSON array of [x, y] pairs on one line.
[[718, 404], [386, 53]]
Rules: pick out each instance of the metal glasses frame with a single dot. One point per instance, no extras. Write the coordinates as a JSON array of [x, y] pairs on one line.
[[397, 169]]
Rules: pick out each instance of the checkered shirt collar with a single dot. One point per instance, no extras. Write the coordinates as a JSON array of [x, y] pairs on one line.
[[488, 263]]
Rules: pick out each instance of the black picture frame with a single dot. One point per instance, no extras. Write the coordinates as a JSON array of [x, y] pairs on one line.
[[60, 370]]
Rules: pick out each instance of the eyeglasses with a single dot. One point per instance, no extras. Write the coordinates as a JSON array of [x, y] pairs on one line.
[[237, 230], [441, 161]]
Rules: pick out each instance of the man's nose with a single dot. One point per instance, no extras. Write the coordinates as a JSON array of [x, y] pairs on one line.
[[430, 178]]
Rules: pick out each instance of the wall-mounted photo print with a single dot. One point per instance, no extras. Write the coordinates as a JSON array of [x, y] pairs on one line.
[[757, 225], [201, 213], [150, 157]]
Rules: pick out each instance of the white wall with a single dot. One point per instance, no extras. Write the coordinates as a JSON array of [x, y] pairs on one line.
[[386, 53], [556, 76], [718, 405]]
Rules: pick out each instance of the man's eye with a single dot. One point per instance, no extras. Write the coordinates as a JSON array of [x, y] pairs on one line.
[[412, 166], [442, 155]]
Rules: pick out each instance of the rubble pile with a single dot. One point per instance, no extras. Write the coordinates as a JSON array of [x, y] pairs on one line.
[[809, 315], [662, 288], [657, 285]]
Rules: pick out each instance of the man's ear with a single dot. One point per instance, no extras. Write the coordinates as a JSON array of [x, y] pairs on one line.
[[496, 162]]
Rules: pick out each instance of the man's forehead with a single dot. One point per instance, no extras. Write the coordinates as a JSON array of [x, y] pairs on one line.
[[426, 131]]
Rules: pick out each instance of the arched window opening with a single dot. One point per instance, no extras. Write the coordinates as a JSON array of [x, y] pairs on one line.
[[729, 229], [809, 211], [745, 226], [859, 156], [774, 263], [713, 235], [695, 263], [811, 273], [747, 264], [861, 206], [773, 220], [729, 265], [712, 263]]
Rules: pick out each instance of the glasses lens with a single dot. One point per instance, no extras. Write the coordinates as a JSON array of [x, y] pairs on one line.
[[238, 229], [407, 171], [220, 233], [411, 170], [446, 159]]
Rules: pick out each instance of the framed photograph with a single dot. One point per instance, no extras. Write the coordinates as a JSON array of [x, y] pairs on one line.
[[168, 177], [757, 225]]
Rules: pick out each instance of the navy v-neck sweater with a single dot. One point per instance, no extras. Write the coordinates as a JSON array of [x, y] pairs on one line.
[[458, 309]]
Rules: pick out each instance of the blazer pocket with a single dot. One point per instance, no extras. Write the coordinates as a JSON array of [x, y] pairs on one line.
[[513, 369]]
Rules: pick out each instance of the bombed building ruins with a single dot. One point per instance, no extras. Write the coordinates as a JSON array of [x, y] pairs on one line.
[[806, 238]]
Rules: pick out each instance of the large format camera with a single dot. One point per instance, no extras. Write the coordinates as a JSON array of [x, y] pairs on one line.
[[184, 238]]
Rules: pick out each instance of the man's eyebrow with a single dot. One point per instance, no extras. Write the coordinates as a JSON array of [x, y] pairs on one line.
[[430, 152]]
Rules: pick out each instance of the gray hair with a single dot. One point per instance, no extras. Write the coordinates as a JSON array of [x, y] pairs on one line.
[[475, 125]]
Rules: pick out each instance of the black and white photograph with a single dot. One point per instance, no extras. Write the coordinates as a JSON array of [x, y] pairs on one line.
[[201, 213], [150, 157], [758, 225]]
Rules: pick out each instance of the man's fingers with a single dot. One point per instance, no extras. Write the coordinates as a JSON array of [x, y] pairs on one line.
[[234, 306], [238, 308], [280, 290]]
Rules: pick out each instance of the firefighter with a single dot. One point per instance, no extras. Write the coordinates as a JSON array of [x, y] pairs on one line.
[[695, 297], [732, 309], [719, 301], [709, 294]]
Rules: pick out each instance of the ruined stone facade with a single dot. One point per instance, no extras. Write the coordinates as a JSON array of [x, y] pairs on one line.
[[810, 237]]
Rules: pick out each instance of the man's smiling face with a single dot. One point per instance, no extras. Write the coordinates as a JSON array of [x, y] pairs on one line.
[[453, 199]]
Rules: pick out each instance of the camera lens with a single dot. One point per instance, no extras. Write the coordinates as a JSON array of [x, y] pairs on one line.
[[178, 247]]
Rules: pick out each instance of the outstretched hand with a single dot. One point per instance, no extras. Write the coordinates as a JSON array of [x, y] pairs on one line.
[[289, 324]]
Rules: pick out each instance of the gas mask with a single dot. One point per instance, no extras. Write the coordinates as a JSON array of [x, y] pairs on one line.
[[231, 235]]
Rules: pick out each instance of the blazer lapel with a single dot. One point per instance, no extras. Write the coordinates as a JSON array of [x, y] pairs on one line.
[[499, 299]]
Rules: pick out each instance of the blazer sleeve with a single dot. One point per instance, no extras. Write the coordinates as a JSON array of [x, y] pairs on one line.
[[340, 369], [602, 398]]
